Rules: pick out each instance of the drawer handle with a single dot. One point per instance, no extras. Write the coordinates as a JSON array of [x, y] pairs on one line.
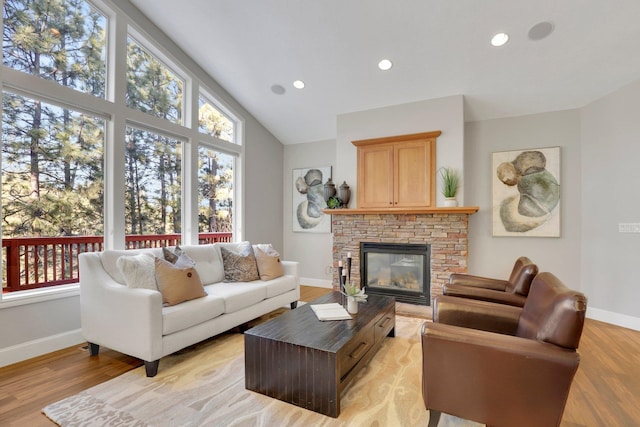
[[386, 321], [359, 351]]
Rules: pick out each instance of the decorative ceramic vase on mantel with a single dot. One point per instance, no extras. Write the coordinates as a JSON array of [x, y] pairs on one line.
[[344, 194], [329, 190], [450, 202]]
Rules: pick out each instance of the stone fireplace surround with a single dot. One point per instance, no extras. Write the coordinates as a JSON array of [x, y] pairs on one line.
[[445, 229]]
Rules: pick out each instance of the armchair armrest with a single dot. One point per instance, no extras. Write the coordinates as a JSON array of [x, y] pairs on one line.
[[483, 315], [113, 315], [478, 282], [482, 294], [495, 379]]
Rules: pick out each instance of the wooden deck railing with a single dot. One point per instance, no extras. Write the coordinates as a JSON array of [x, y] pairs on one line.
[[40, 262]]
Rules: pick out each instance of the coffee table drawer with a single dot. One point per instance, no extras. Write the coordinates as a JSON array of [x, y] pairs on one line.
[[385, 324], [353, 351]]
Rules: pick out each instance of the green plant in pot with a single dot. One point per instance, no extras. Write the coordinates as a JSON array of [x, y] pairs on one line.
[[450, 185]]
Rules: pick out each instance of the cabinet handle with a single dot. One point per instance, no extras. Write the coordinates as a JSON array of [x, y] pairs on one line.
[[359, 351], [385, 322]]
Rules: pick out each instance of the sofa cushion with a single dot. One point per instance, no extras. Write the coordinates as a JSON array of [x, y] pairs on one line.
[[268, 261], [138, 271], [208, 262], [110, 257], [280, 285], [239, 266], [177, 284], [239, 295], [183, 316]]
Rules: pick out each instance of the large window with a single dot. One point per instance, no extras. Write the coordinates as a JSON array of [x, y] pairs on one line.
[[52, 190], [151, 86], [214, 122], [215, 195], [153, 172], [85, 173], [63, 41]]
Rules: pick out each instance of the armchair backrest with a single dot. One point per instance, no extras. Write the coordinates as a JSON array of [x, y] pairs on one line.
[[524, 270], [553, 313]]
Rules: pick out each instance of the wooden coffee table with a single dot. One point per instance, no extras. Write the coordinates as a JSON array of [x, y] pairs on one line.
[[298, 359]]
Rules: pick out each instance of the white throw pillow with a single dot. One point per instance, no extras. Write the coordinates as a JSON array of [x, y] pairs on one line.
[[138, 271]]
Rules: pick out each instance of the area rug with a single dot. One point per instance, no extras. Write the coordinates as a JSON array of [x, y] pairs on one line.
[[204, 386]]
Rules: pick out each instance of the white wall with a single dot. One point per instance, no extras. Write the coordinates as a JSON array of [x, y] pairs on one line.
[[311, 250], [610, 177], [494, 256]]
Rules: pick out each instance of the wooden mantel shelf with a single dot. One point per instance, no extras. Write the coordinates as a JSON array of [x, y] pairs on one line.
[[470, 210]]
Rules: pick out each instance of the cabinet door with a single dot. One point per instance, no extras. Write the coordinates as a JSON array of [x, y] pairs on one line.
[[414, 162], [375, 176]]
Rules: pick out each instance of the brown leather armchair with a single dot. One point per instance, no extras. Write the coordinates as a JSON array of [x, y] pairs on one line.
[[503, 365], [512, 292]]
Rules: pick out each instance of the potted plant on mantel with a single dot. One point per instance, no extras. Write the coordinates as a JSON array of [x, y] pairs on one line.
[[450, 184]]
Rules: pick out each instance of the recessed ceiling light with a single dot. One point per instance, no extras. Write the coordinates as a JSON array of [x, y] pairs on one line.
[[541, 30], [385, 65], [278, 89], [298, 84], [499, 39]]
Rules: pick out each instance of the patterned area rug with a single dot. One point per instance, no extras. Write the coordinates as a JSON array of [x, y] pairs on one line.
[[204, 386]]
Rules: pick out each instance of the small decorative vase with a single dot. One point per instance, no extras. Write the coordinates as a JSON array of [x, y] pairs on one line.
[[450, 202], [329, 190], [344, 194], [352, 305]]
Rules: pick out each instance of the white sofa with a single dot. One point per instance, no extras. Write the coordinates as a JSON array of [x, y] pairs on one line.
[[135, 322]]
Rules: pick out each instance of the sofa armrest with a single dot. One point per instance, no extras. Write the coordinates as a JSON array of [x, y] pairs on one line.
[[478, 281], [482, 294], [113, 315], [495, 379], [483, 315], [291, 268]]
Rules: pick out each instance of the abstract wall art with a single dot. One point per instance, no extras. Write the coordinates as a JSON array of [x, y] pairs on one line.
[[526, 192], [308, 200]]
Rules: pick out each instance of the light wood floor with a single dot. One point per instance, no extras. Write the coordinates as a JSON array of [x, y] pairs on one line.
[[604, 392]]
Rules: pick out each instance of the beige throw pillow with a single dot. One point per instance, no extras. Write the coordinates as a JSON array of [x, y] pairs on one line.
[[239, 267], [177, 284], [138, 271], [268, 260]]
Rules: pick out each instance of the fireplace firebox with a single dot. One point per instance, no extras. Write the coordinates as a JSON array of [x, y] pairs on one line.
[[397, 269]]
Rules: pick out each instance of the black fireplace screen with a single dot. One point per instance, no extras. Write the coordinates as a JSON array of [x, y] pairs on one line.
[[397, 269]]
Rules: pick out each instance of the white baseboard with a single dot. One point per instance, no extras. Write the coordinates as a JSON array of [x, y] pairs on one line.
[[27, 350], [614, 318], [319, 283]]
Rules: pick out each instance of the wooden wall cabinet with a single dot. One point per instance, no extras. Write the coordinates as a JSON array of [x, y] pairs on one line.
[[397, 171]]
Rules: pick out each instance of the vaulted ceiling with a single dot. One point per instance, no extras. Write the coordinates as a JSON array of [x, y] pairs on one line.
[[439, 48]]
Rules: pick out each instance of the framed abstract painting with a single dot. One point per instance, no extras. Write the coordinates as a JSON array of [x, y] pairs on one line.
[[308, 200], [526, 192]]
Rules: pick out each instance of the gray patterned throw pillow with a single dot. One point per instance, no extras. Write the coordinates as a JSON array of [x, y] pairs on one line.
[[239, 267]]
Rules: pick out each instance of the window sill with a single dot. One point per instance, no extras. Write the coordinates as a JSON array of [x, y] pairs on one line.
[[35, 296]]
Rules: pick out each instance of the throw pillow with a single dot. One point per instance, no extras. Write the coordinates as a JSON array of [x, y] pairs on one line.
[[239, 267], [268, 260], [184, 261], [138, 271], [177, 284], [172, 255]]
